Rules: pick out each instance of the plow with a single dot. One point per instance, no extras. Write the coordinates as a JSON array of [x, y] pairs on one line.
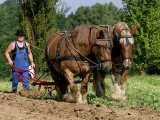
[[49, 86]]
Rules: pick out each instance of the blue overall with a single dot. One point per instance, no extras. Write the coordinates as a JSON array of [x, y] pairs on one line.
[[20, 61]]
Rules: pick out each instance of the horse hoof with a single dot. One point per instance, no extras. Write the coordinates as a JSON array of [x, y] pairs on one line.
[[68, 98], [118, 98], [124, 98], [85, 102], [79, 98]]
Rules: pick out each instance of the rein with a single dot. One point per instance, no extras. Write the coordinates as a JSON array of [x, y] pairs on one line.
[[37, 48]]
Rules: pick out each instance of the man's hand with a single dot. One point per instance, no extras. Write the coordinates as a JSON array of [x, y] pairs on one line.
[[10, 62], [33, 65]]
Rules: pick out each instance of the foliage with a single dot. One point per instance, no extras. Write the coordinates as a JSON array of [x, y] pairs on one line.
[[98, 14], [146, 14], [62, 10]]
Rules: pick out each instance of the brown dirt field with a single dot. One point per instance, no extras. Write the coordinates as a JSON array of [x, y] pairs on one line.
[[15, 107]]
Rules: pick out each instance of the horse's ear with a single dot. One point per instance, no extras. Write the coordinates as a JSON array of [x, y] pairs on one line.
[[100, 33], [134, 29], [117, 29], [83, 33], [96, 33]]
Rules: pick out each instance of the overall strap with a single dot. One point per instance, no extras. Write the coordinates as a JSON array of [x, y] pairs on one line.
[[25, 46]]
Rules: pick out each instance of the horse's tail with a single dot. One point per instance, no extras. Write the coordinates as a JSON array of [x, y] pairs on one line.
[[99, 83]]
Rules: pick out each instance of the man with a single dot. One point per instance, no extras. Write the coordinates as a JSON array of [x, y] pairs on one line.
[[21, 52]]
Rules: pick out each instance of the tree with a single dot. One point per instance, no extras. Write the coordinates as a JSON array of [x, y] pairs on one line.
[[97, 14], [38, 19], [61, 9], [146, 14], [9, 23]]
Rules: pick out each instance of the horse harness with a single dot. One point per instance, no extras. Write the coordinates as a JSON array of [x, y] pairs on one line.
[[80, 56]]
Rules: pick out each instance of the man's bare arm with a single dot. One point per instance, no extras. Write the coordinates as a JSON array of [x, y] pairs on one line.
[[8, 50]]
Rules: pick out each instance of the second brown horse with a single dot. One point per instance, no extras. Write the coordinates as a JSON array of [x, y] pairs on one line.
[[71, 54], [122, 55]]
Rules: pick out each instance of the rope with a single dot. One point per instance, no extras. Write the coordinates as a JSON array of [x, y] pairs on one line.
[[37, 48], [17, 70]]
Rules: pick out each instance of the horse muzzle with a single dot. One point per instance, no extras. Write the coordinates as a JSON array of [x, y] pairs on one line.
[[107, 66], [127, 63]]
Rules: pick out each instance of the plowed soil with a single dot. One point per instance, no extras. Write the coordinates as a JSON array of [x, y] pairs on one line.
[[15, 107]]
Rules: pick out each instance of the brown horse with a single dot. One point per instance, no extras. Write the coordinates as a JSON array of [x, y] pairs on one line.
[[70, 54], [122, 56]]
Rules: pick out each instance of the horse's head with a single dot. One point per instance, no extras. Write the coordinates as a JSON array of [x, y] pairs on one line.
[[124, 36], [101, 39]]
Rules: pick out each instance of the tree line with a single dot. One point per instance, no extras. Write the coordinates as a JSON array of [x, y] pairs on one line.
[[41, 19]]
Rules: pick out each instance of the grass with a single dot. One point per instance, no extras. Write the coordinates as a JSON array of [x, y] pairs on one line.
[[141, 91]]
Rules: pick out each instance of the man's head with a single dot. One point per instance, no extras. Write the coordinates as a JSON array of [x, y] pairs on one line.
[[20, 35]]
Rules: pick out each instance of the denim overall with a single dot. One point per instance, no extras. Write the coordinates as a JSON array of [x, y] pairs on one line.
[[20, 61]]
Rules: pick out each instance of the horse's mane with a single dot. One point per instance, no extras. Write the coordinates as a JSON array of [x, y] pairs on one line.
[[122, 25]]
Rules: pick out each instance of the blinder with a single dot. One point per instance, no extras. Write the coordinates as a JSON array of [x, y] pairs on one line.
[[103, 40], [126, 37], [118, 36]]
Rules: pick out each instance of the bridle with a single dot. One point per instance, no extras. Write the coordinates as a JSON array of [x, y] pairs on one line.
[[118, 37]]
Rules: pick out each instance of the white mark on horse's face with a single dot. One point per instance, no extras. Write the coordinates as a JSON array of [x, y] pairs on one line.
[[124, 40], [127, 63]]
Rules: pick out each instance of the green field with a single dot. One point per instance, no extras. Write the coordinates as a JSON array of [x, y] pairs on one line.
[[141, 91]]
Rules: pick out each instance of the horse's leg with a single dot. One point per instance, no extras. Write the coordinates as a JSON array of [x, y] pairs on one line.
[[116, 92], [123, 82], [74, 90], [60, 84], [102, 80], [97, 79], [84, 87], [63, 84]]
